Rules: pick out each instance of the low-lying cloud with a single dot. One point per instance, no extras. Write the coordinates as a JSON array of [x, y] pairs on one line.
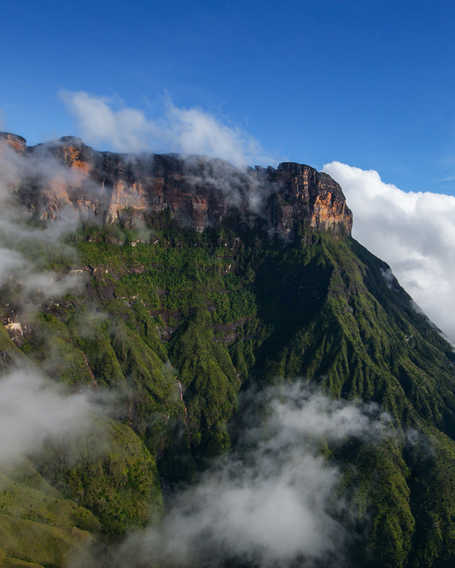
[[182, 130], [35, 410], [412, 231], [24, 248], [275, 501]]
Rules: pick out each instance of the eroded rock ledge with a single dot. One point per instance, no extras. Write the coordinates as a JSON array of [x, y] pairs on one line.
[[197, 192]]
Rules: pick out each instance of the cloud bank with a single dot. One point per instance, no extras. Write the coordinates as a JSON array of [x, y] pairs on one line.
[[275, 501], [182, 130], [414, 232]]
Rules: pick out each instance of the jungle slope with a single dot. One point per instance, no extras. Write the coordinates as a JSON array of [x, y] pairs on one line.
[[178, 320]]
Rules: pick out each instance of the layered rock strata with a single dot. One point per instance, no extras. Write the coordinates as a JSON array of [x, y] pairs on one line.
[[197, 192]]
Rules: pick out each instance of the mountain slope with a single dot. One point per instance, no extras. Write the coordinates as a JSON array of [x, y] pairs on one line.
[[195, 290]]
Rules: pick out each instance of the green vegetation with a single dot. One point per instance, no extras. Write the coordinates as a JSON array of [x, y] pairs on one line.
[[177, 326], [38, 526]]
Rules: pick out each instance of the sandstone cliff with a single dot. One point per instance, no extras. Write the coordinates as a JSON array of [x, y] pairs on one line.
[[197, 192]]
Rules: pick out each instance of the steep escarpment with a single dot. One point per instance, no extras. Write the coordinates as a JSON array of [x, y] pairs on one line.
[[197, 192], [200, 281]]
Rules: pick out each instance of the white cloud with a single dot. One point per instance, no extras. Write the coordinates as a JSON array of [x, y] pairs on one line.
[[126, 129], [196, 132], [414, 232], [22, 246], [183, 130], [274, 502], [35, 410]]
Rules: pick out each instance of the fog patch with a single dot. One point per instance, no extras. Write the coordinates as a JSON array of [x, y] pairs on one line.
[[34, 410], [25, 249], [275, 501], [389, 278]]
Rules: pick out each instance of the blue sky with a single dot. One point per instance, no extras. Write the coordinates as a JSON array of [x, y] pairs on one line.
[[371, 84]]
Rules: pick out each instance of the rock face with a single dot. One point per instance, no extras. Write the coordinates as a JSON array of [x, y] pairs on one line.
[[14, 141], [304, 194], [197, 192]]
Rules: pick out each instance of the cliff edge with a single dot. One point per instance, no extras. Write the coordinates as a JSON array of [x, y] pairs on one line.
[[197, 192]]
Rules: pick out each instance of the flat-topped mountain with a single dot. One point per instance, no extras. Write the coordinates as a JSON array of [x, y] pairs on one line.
[[197, 282], [198, 192]]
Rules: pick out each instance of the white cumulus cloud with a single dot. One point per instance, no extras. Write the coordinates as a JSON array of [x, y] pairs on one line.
[[127, 129], [412, 231], [183, 130]]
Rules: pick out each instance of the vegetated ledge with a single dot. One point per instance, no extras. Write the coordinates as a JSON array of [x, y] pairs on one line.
[[198, 192]]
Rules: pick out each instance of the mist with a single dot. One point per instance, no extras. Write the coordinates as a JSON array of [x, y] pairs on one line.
[[25, 249], [35, 410], [275, 500]]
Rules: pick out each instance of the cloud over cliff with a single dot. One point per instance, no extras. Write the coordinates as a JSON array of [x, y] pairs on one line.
[[35, 410], [183, 130], [25, 249]]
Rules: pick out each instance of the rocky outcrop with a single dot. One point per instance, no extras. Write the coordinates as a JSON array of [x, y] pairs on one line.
[[14, 141], [197, 192], [305, 197]]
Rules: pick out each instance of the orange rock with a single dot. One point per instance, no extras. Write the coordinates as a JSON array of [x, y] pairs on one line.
[[16, 142], [72, 159], [197, 192]]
